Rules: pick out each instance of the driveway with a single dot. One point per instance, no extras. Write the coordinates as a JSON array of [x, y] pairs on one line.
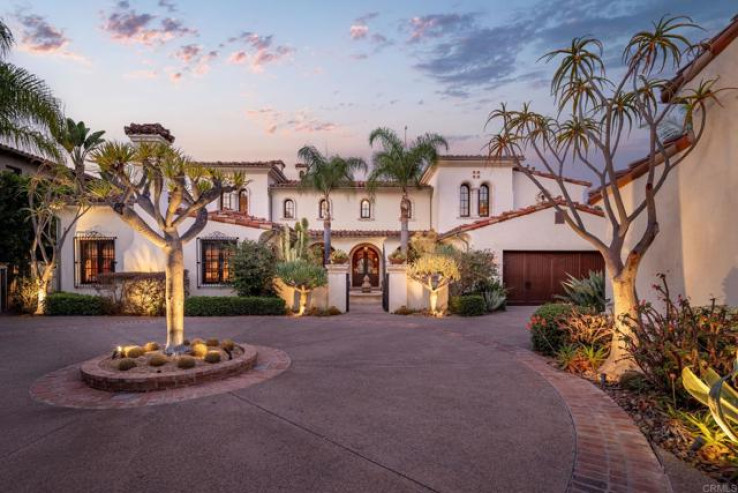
[[371, 403]]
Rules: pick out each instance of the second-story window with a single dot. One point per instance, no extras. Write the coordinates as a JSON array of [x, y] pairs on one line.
[[323, 208], [288, 211], [366, 209], [464, 200], [483, 201]]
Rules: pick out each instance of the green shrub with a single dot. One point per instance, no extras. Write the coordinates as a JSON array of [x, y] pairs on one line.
[[133, 351], [227, 344], [470, 305], [158, 359], [186, 362], [212, 342], [494, 294], [126, 364], [151, 346], [253, 266], [475, 267], [547, 336], [213, 306], [212, 357], [588, 291], [62, 303]]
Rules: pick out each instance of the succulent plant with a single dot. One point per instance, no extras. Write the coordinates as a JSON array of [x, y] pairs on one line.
[[186, 362], [133, 351], [151, 346], [126, 364], [212, 342], [196, 340], [227, 344], [213, 356], [158, 359], [199, 350]]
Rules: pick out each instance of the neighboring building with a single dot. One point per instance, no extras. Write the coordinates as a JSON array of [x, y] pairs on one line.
[[697, 244], [471, 201], [17, 161]]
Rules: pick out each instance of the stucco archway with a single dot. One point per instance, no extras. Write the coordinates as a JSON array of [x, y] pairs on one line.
[[366, 259]]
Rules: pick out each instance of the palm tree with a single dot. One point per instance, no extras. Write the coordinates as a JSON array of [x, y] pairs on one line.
[[403, 165], [77, 140], [324, 174], [28, 109]]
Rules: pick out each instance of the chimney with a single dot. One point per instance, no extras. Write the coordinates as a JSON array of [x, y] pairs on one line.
[[148, 132]]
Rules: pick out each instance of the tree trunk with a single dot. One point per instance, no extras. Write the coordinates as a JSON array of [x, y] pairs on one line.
[[404, 235], [43, 288], [433, 301], [625, 304], [303, 302], [175, 293], [327, 240]]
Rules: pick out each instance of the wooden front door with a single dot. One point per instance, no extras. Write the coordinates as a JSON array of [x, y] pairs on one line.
[[365, 261], [534, 278]]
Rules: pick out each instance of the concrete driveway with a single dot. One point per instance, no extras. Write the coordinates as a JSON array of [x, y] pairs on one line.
[[370, 403]]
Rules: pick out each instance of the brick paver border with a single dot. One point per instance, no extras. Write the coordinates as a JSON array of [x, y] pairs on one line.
[[65, 387]]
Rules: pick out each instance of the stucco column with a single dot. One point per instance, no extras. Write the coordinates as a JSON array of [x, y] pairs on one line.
[[337, 285], [397, 286]]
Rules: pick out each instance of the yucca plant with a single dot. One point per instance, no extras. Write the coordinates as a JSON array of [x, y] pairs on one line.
[[588, 291], [303, 276]]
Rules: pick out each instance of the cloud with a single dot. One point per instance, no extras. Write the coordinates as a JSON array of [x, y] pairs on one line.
[[126, 25], [260, 51], [301, 121], [359, 31], [142, 74], [39, 37], [168, 5], [196, 60], [464, 56]]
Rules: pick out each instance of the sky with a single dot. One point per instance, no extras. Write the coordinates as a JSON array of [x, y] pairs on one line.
[[257, 80]]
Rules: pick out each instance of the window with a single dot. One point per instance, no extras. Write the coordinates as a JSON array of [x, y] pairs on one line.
[[288, 211], [483, 201], [96, 256], [234, 201], [215, 260], [323, 208], [366, 209], [464, 201]]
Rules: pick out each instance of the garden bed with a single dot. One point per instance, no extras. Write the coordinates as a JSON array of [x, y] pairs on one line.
[[104, 372]]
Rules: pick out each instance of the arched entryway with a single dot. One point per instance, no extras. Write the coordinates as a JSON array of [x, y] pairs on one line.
[[365, 262]]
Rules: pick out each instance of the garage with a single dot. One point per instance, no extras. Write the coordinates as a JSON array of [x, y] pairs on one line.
[[535, 277]]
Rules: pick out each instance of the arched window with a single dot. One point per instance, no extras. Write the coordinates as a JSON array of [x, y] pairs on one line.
[[483, 207], [323, 208], [288, 211], [366, 209], [464, 200]]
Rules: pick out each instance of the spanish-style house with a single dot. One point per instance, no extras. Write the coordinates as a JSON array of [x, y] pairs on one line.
[[469, 201], [697, 244]]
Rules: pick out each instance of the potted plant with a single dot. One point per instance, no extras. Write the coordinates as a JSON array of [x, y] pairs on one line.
[[339, 257], [397, 257]]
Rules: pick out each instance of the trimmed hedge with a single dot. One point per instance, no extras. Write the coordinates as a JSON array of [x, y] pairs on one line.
[[546, 335], [214, 306], [75, 304], [469, 305]]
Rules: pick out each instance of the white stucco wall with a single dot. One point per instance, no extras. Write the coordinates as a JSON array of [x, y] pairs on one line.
[[697, 246], [526, 192]]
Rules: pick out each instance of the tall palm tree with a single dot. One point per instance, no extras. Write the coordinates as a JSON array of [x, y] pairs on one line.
[[404, 165], [77, 140], [28, 109], [325, 174]]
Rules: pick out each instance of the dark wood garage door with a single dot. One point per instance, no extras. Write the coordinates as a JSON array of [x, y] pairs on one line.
[[533, 278]]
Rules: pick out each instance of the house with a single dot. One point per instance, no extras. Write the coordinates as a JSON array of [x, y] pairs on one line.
[[697, 244], [469, 201], [18, 161]]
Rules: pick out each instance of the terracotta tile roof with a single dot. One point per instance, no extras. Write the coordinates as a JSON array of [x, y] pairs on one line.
[[710, 49], [506, 216], [357, 233], [25, 155], [149, 129], [356, 184], [242, 164], [241, 219], [638, 168], [544, 174]]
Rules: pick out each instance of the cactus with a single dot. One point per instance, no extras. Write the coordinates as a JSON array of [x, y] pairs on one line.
[[126, 364], [186, 362], [716, 393], [298, 249], [212, 357]]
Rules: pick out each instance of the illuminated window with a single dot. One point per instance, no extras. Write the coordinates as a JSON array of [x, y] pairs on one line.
[[464, 200], [288, 211], [216, 255], [366, 209], [483, 201], [96, 256]]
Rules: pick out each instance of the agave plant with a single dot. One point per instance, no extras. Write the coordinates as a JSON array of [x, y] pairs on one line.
[[494, 294], [717, 394], [588, 291]]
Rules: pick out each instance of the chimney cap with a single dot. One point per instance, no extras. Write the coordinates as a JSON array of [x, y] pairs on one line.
[[149, 129]]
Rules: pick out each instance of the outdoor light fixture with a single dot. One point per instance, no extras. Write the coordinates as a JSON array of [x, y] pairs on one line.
[[603, 380], [434, 281], [117, 352], [698, 443]]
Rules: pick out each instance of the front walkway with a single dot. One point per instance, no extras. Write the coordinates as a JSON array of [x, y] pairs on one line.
[[370, 403]]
